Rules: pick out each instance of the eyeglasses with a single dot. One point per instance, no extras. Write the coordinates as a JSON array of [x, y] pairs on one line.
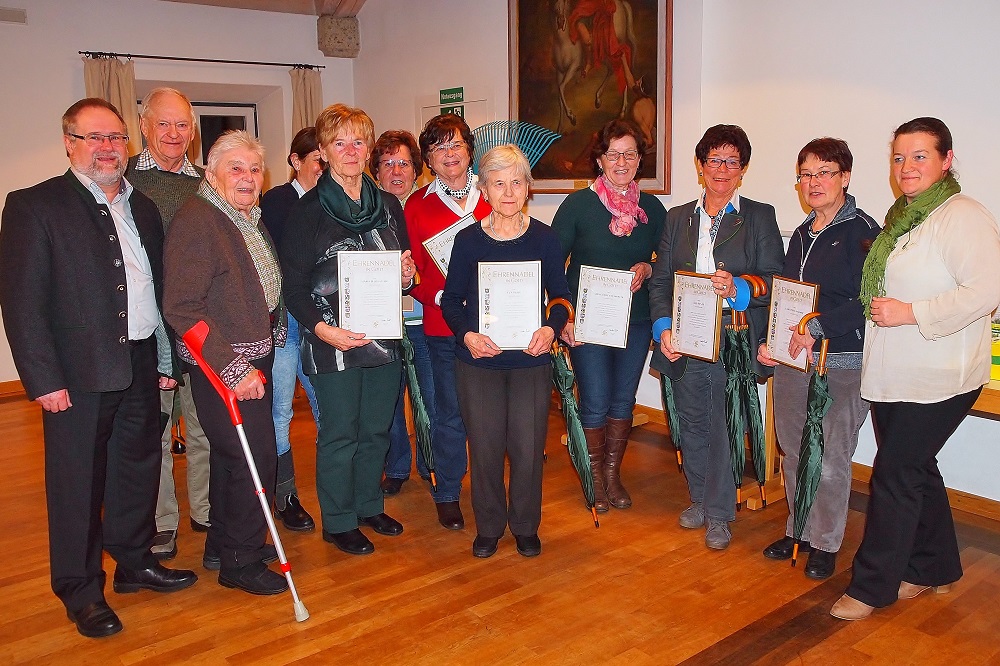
[[443, 148], [823, 176], [96, 139], [717, 162], [391, 164], [180, 126], [629, 155]]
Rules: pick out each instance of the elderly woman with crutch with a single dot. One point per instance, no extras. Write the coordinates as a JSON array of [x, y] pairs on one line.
[[220, 267]]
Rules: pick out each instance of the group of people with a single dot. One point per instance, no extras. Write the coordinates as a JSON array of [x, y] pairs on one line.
[[120, 257]]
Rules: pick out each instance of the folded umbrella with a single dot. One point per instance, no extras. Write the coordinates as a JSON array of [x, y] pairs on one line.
[[421, 419], [673, 420], [810, 467], [751, 398], [576, 442]]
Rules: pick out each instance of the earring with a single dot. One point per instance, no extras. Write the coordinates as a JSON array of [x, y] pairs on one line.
[[701, 175]]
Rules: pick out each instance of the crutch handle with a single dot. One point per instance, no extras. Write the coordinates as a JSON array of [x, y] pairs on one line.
[[194, 339]]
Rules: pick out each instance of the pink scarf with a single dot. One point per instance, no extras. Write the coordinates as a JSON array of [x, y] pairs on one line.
[[624, 208]]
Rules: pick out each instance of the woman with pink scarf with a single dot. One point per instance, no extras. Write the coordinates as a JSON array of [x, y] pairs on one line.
[[611, 224]]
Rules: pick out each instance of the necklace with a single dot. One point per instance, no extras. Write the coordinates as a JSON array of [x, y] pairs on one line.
[[458, 194], [520, 227]]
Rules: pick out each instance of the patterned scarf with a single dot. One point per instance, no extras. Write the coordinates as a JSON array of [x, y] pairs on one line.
[[260, 250], [624, 208], [901, 219]]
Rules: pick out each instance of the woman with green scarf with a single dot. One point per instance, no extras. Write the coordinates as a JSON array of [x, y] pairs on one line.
[[356, 378], [929, 285]]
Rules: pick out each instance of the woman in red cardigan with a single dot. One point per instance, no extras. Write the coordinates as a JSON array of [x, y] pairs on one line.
[[446, 146]]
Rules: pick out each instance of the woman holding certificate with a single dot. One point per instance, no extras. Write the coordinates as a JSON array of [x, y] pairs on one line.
[[827, 250], [344, 237], [721, 235], [493, 302], [434, 214], [610, 225], [929, 285]]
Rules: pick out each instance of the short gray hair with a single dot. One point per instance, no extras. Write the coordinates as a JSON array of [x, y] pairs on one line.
[[503, 157], [232, 140], [147, 101]]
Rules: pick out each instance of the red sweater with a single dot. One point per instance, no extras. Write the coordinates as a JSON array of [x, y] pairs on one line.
[[425, 217]]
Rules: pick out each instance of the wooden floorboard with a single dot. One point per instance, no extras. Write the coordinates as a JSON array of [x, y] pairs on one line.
[[639, 590]]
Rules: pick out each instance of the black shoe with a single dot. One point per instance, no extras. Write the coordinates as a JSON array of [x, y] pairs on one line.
[[213, 562], [782, 548], [391, 485], [383, 524], [164, 546], [528, 546], [199, 527], [450, 515], [352, 542], [95, 620], [294, 517], [157, 578], [821, 564], [255, 578], [484, 546]]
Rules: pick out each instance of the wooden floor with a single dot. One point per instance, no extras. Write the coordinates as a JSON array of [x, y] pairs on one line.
[[639, 590]]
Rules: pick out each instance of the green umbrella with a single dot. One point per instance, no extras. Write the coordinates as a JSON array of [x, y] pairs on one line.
[[421, 420], [673, 420], [576, 441], [734, 404], [810, 467], [751, 411]]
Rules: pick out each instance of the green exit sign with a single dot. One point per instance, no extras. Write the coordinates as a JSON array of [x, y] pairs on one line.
[[451, 96]]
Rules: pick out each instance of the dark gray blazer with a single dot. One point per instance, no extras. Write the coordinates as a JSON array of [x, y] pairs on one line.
[[748, 242], [63, 287]]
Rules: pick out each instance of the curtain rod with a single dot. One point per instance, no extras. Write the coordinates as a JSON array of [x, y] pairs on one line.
[[103, 54]]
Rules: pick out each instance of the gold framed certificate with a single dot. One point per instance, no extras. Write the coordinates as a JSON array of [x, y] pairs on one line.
[[697, 316], [603, 306], [790, 301], [510, 302], [369, 293], [440, 244]]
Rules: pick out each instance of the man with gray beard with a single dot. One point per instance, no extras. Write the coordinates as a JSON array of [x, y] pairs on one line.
[[81, 277]]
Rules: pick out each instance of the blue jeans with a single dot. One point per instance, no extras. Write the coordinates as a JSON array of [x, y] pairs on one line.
[[608, 377], [451, 457], [399, 459], [288, 365]]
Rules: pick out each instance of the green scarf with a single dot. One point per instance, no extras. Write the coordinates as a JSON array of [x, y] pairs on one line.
[[901, 219], [359, 219]]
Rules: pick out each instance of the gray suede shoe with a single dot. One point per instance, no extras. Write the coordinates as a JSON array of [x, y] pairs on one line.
[[692, 517], [717, 536]]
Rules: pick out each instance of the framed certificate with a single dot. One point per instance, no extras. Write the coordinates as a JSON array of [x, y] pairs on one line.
[[697, 316], [439, 245], [790, 301], [510, 302], [603, 306], [369, 293]]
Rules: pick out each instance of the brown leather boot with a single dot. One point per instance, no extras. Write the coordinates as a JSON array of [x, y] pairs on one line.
[[617, 440], [595, 447]]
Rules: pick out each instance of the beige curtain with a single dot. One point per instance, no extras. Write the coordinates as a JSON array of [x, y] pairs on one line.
[[114, 81], [307, 97]]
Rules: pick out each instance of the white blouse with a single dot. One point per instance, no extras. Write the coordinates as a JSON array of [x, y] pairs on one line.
[[948, 267]]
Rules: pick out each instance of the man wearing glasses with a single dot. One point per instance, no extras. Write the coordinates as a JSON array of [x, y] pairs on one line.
[[81, 278], [163, 173]]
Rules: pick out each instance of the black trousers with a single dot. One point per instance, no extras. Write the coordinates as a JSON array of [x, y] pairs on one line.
[[238, 528], [104, 451], [506, 414], [909, 533]]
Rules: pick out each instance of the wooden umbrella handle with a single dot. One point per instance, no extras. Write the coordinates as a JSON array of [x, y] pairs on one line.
[[548, 309]]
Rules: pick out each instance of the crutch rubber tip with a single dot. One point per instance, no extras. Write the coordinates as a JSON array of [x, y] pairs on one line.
[[301, 614]]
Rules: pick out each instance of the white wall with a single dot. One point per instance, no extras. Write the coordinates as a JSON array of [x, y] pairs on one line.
[[785, 71], [42, 73]]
